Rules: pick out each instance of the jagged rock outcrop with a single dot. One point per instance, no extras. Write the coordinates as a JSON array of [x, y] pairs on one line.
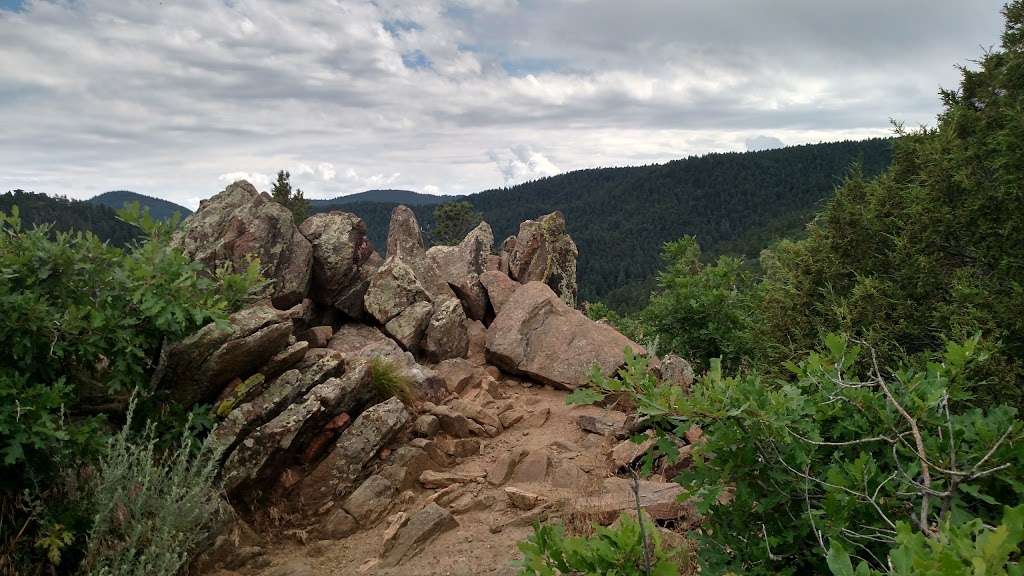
[[196, 369], [239, 224], [462, 265], [544, 252], [536, 334], [405, 285], [359, 341], [343, 260]]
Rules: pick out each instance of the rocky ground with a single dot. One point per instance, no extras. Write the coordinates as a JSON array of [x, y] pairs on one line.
[[402, 414], [544, 465]]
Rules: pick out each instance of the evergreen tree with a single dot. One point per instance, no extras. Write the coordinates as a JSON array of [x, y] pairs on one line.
[[293, 200], [452, 221]]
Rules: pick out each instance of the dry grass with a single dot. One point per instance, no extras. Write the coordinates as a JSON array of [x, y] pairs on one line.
[[389, 381]]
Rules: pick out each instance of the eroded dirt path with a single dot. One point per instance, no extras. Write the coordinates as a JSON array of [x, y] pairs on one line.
[[554, 469]]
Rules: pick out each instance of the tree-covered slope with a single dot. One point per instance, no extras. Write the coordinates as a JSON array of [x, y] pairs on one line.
[[158, 208], [407, 197], [66, 215], [734, 203]]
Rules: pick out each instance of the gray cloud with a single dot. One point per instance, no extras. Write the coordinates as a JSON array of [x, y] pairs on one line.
[[449, 95]]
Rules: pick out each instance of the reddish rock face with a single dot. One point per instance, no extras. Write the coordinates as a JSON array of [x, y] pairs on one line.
[[499, 288], [536, 334], [239, 224]]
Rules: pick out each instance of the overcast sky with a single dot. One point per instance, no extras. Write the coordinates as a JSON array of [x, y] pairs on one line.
[[175, 98]]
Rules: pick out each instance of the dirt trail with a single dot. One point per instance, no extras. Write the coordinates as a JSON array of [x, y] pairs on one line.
[[489, 523]]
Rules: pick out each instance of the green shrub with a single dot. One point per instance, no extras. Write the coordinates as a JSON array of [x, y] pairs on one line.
[[627, 548], [149, 508], [699, 311], [836, 454], [965, 550], [931, 250], [83, 325]]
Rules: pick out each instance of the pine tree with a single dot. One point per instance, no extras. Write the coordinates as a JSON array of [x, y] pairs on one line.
[[294, 201], [453, 221]]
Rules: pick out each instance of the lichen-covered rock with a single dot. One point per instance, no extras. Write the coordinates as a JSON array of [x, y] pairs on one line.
[[196, 369], [336, 475], [252, 470], [544, 252], [536, 334], [408, 279], [239, 224], [343, 260], [369, 503], [677, 371], [393, 288], [462, 265]]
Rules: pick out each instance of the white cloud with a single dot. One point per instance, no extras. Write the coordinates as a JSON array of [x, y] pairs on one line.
[[521, 163], [762, 142], [173, 99], [260, 181], [431, 189]]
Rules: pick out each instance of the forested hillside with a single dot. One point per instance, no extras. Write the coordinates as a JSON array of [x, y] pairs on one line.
[[407, 197], [68, 215], [158, 208], [734, 203]]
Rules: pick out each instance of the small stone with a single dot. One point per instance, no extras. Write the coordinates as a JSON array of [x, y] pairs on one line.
[[427, 425], [502, 469], [533, 468], [603, 425], [318, 336], [510, 418], [627, 451], [461, 447], [522, 499], [419, 531], [336, 525], [371, 501], [432, 479]]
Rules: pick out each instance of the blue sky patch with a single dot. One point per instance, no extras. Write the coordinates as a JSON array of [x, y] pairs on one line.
[[11, 5], [415, 60]]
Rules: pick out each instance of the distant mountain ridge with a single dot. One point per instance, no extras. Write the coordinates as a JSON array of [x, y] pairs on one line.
[[66, 215], [407, 197], [158, 207], [734, 203]]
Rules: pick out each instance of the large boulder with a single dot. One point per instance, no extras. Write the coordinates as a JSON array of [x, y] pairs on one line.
[[411, 300], [538, 335], [197, 368], [462, 265], [543, 251], [343, 260], [239, 224]]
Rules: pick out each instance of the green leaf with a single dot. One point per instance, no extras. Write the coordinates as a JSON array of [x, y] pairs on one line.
[[583, 397]]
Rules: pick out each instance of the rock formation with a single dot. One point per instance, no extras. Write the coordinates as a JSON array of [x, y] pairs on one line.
[[543, 252], [376, 396], [343, 260], [240, 224], [537, 335]]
